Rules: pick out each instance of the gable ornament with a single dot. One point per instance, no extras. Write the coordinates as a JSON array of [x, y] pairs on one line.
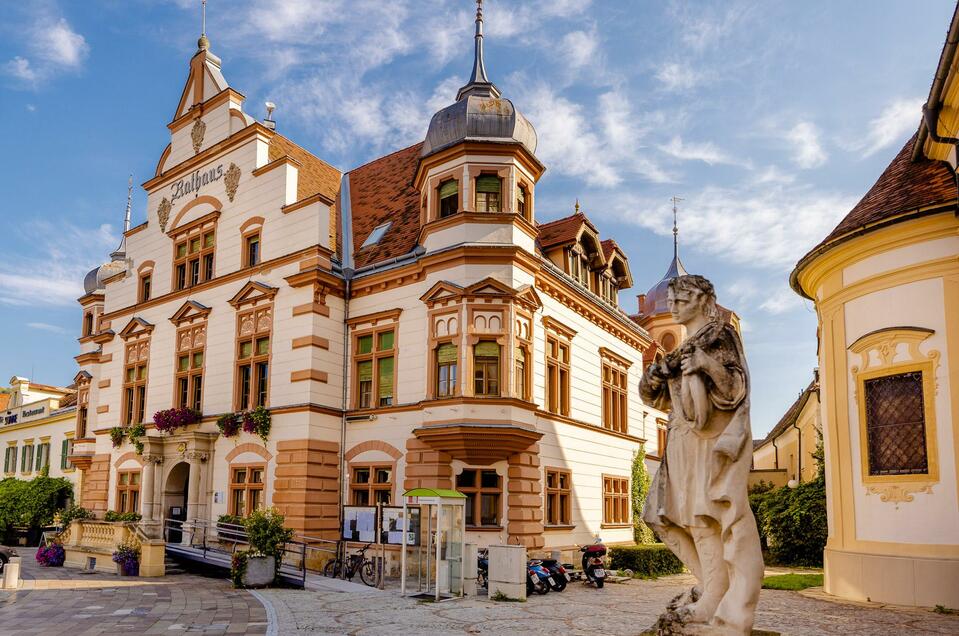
[[199, 129], [163, 213], [232, 180]]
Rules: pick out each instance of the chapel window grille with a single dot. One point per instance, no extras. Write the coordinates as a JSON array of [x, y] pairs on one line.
[[895, 425]]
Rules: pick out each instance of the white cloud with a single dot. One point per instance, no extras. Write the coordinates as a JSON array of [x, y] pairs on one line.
[[42, 326], [20, 68], [677, 77], [581, 47], [782, 300], [63, 46], [52, 272], [807, 148], [706, 152], [54, 47], [899, 118], [702, 27]]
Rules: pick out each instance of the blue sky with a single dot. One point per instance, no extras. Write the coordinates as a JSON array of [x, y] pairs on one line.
[[771, 120]]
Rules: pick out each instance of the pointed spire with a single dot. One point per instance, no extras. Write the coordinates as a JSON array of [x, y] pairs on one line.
[[675, 200], [576, 208], [479, 83], [203, 43], [126, 217]]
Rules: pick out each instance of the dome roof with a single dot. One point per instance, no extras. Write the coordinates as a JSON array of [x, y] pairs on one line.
[[477, 117], [480, 113], [654, 302], [91, 281]]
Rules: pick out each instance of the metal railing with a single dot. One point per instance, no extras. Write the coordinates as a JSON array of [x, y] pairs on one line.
[[225, 538]]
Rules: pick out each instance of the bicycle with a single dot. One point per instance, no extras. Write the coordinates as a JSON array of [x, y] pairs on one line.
[[356, 563]]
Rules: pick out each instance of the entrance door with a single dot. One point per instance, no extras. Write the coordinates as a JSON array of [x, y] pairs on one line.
[[175, 502]]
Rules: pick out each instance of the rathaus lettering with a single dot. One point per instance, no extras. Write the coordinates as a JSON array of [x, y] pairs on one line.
[[195, 181]]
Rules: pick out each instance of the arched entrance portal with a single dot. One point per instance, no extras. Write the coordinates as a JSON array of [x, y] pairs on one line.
[[175, 499]]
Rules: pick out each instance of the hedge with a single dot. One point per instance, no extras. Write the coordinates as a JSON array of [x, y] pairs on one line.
[[648, 560], [793, 520], [31, 503]]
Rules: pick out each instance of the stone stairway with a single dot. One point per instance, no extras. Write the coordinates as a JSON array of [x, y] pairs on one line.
[[172, 566]]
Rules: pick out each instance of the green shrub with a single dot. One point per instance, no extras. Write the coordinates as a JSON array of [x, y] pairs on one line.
[[649, 560], [267, 533], [793, 521], [74, 512], [32, 503], [641, 532], [121, 516]]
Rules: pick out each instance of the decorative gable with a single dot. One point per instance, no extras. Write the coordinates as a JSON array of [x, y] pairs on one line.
[[441, 292], [190, 311], [253, 292], [135, 328]]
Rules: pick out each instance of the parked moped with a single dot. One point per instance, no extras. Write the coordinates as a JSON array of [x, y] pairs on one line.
[[560, 576], [538, 578], [593, 566]]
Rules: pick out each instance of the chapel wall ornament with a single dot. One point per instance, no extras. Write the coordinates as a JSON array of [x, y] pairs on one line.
[[163, 213], [898, 493], [232, 180], [199, 129]]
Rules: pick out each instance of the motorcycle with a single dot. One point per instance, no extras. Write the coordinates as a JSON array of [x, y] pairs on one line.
[[482, 568], [593, 566], [560, 576], [538, 578]]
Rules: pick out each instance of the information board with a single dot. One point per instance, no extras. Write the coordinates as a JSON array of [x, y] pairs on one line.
[[359, 523], [393, 526]]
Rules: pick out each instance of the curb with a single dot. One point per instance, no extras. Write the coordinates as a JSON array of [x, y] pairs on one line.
[[272, 625]]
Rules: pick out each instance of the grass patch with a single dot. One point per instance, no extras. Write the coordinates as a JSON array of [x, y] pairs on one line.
[[942, 609], [792, 581], [502, 598]]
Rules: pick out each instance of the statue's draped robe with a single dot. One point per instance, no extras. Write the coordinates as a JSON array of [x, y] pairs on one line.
[[693, 485]]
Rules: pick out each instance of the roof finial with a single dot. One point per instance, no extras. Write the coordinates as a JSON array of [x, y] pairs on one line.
[[577, 206], [126, 217], [203, 43], [675, 200], [479, 83]]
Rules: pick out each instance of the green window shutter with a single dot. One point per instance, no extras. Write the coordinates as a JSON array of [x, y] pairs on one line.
[[385, 369], [6, 460], [364, 371], [446, 353], [488, 183], [39, 463], [64, 451], [448, 188], [487, 349]]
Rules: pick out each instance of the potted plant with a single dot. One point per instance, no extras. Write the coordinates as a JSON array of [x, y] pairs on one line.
[[257, 566], [127, 558], [169, 420], [117, 434], [51, 556]]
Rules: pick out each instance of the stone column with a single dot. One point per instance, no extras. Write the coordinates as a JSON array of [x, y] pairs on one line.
[[147, 489], [193, 504]]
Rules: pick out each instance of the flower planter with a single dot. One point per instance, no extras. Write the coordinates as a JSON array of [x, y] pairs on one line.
[[260, 571], [129, 569]]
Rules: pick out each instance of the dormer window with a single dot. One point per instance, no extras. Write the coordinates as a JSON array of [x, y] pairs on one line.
[[488, 188], [449, 198], [579, 267]]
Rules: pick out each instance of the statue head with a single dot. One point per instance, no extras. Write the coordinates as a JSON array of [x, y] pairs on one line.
[[691, 297]]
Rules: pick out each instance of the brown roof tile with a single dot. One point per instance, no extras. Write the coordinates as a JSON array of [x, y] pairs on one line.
[[315, 175], [382, 191], [4, 400], [561, 230], [904, 186]]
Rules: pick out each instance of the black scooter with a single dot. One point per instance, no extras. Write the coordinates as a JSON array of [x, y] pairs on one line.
[[593, 566], [560, 576]]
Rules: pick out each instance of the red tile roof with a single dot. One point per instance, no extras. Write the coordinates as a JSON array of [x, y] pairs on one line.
[[561, 231], [4, 400], [904, 186], [382, 191], [609, 246]]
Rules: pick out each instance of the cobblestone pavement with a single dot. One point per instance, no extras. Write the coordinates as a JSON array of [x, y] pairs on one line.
[[626, 608], [56, 601]]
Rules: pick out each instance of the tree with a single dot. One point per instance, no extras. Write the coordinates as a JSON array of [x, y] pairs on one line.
[[641, 480]]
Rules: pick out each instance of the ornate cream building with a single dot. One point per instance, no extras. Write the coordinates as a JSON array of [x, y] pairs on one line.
[[406, 323], [886, 287]]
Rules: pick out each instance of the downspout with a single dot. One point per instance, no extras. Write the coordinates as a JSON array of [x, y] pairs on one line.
[[776, 448], [798, 453], [346, 240]]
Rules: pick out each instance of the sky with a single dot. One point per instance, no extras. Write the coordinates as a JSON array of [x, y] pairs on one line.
[[769, 119]]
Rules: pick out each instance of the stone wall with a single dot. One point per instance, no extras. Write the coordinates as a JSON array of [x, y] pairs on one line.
[[306, 486], [524, 501], [94, 487]]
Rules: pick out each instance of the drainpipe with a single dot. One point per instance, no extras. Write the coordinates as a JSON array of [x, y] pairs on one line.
[[798, 453], [346, 240], [776, 448]]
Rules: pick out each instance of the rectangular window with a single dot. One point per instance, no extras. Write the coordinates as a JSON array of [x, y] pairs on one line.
[[189, 367], [43, 456], [446, 362], [661, 437], [252, 251], [82, 422], [483, 490], [615, 401], [145, 283], [374, 360], [521, 201], [87, 324], [557, 375], [896, 425], [246, 488], [448, 193], [487, 193], [134, 393], [615, 500], [193, 257], [253, 365], [128, 491], [520, 370], [558, 497], [371, 485], [66, 447], [10, 460], [486, 369], [26, 459]]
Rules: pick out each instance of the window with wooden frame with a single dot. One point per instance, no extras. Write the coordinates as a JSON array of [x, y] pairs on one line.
[[615, 401], [189, 367], [253, 359], [251, 249], [484, 490], [522, 201], [193, 255], [128, 491], [374, 361], [246, 488], [661, 437], [521, 373], [558, 497], [486, 368], [896, 425], [88, 323], [448, 193], [134, 389], [615, 500], [43, 456], [447, 362], [578, 266], [26, 459], [66, 447], [10, 460], [371, 484], [82, 422], [557, 374], [144, 286], [488, 187]]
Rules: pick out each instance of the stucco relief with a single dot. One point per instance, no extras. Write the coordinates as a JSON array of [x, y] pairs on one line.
[[232, 180], [196, 135], [898, 493]]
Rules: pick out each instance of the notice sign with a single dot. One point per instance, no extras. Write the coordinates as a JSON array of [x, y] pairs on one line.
[[359, 523], [393, 526]]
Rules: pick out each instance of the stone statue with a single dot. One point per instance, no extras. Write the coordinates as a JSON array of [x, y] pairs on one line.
[[697, 503]]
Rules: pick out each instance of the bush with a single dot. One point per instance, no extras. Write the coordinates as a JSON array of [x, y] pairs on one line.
[[51, 556], [121, 516], [31, 503], [793, 522], [641, 532], [650, 560], [267, 533], [71, 513]]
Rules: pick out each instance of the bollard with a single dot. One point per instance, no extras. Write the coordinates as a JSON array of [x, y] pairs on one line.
[[11, 574], [507, 572], [469, 569]]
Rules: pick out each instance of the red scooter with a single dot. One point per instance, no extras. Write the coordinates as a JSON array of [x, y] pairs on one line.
[[593, 566]]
